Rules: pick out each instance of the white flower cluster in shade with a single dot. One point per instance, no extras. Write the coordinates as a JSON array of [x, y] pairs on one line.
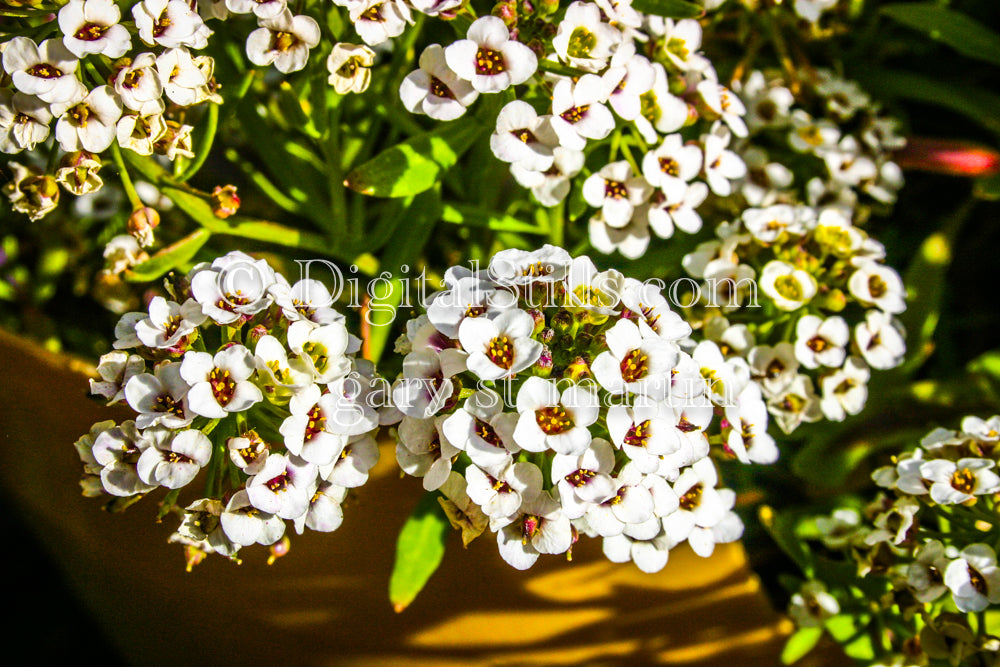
[[803, 267], [929, 531], [840, 126], [548, 400], [255, 380], [640, 74]]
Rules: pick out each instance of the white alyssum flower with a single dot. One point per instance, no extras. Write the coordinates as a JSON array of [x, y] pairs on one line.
[[91, 26], [845, 391], [489, 59], [925, 575], [660, 111], [974, 578], [541, 528], [583, 40], [307, 300], [181, 79], [954, 482], [483, 430], [138, 85], [262, 9], [377, 21], [672, 165], [774, 368], [283, 41], [87, 121], [323, 349], [553, 420], [349, 66], [811, 10], [115, 369], [245, 524], [160, 397], [24, 121], [790, 288], [170, 23], [435, 89], [234, 287], [812, 136], [140, 133], [501, 492], [665, 212], [683, 40], [278, 376], [220, 384], [467, 297], [169, 322], [881, 340], [551, 186], [173, 458], [524, 138], [628, 77], [748, 439], [46, 70], [616, 191], [579, 113], [643, 302], [812, 605], [584, 479], [721, 165], [499, 347], [645, 431], [423, 450], [631, 241], [116, 451], [723, 103], [248, 452], [324, 514], [282, 486], [821, 342], [878, 285], [635, 362], [795, 404]]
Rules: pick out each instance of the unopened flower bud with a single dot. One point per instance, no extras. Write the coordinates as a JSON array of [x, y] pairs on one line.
[[507, 11], [546, 335], [141, 224], [544, 364], [225, 202], [562, 321], [539, 319], [578, 369], [834, 300], [279, 549]]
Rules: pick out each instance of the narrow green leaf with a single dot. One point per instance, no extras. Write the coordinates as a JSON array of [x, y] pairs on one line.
[[962, 33], [974, 102], [799, 644], [411, 236], [672, 9], [850, 632], [414, 165], [987, 364], [460, 214], [174, 255], [388, 293], [418, 552]]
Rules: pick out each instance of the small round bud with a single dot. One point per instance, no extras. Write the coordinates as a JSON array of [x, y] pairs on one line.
[[141, 224], [225, 202]]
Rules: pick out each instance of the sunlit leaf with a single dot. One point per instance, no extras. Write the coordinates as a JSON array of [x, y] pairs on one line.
[[414, 165], [799, 644], [674, 9], [460, 214], [419, 551], [174, 255]]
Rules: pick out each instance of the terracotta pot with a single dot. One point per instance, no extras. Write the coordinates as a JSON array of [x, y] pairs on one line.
[[326, 602]]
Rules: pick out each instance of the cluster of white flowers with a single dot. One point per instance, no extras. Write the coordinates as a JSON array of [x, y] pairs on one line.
[[548, 400], [254, 379], [607, 68], [831, 119], [930, 534], [803, 267]]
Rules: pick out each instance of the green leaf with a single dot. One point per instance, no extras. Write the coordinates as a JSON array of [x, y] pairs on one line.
[[461, 214], [418, 552], [962, 33], [974, 102], [987, 364], [850, 632], [799, 644], [672, 9], [174, 255], [414, 165]]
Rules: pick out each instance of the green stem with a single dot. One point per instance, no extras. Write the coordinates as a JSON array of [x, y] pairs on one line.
[[133, 196], [205, 145], [557, 222]]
